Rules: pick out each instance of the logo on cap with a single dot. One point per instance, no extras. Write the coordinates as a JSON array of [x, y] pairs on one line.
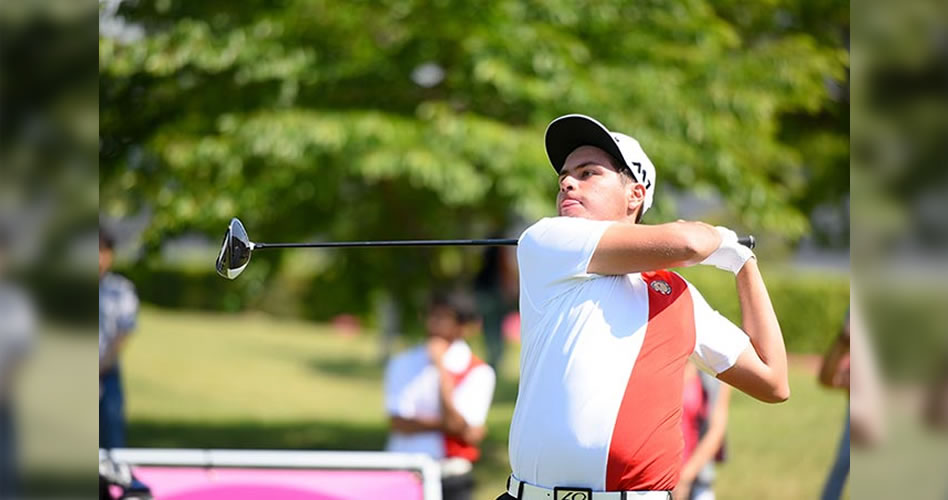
[[642, 174]]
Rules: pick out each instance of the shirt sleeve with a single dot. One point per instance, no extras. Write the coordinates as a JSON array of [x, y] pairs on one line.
[[718, 342], [473, 396], [553, 255]]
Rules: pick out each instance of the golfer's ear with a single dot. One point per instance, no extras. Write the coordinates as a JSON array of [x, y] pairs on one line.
[[636, 195]]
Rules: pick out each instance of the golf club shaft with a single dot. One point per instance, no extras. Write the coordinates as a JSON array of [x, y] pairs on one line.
[[747, 241], [398, 243]]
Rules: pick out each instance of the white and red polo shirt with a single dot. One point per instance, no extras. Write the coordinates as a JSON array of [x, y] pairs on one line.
[[412, 391], [602, 364]]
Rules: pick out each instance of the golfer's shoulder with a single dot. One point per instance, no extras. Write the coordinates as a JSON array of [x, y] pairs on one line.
[[535, 231], [555, 231]]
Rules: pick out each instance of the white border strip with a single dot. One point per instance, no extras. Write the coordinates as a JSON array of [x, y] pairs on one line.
[[367, 460]]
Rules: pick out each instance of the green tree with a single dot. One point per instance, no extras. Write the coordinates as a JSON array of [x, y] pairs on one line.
[[303, 117]]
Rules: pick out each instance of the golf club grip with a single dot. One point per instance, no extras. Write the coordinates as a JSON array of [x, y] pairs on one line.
[[748, 241]]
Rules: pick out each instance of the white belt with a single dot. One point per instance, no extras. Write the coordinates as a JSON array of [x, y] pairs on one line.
[[523, 491]]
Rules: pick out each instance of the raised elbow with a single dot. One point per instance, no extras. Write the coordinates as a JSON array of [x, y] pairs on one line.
[[779, 394]]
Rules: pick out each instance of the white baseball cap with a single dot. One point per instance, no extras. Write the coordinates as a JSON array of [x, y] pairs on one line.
[[568, 132]]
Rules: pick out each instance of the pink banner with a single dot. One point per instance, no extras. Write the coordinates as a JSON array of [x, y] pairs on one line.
[[193, 483]]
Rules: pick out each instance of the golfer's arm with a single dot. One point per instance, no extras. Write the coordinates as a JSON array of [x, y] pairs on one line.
[[630, 248], [713, 438], [761, 370]]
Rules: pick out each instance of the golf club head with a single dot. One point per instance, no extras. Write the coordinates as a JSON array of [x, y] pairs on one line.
[[235, 251]]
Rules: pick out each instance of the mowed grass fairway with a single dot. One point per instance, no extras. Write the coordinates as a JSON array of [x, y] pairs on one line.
[[199, 380]]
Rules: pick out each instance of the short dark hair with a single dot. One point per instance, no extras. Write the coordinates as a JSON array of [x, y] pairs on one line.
[[106, 239], [461, 304]]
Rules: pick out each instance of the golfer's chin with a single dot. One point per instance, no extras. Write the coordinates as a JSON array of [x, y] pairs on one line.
[[572, 210]]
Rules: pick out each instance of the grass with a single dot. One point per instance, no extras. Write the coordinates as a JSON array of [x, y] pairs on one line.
[[205, 380], [910, 461]]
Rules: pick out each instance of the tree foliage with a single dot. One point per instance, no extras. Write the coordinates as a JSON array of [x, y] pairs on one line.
[[303, 118]]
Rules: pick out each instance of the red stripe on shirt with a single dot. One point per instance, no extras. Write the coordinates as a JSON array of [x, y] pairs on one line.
[[645, 452], [454, 446]]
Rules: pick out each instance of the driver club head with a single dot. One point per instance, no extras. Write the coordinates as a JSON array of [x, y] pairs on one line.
[[235, 251]]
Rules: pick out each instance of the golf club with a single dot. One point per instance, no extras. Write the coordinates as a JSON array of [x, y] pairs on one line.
[[237, 247]]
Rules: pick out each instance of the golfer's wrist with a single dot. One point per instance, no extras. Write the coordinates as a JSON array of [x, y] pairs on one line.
[[748, 269]]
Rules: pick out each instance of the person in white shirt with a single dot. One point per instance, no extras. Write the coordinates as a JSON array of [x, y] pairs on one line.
[[607, 332], [437, 395]]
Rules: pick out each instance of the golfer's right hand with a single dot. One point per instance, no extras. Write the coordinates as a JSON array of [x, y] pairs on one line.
[[730, 255]]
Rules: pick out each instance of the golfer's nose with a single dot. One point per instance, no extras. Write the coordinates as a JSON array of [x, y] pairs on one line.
[[567, 183]]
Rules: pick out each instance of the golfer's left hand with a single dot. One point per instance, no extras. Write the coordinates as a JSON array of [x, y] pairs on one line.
[[730, 255]]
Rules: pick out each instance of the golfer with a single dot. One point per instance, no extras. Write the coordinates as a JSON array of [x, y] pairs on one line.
[[607, 331]]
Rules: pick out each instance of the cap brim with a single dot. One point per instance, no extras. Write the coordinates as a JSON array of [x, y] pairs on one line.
[[569, 132]]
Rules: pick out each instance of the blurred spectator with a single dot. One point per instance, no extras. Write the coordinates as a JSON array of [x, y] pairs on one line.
[[867, 418], [17, 323], [936, 404], [704, 425], [438, 394], [118, 308], [496, 289], [835, 374]]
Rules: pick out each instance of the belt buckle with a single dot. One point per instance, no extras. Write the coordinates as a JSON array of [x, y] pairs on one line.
[[568, 493]]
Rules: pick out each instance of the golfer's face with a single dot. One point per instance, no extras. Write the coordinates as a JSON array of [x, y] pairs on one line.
[[590, 187]]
